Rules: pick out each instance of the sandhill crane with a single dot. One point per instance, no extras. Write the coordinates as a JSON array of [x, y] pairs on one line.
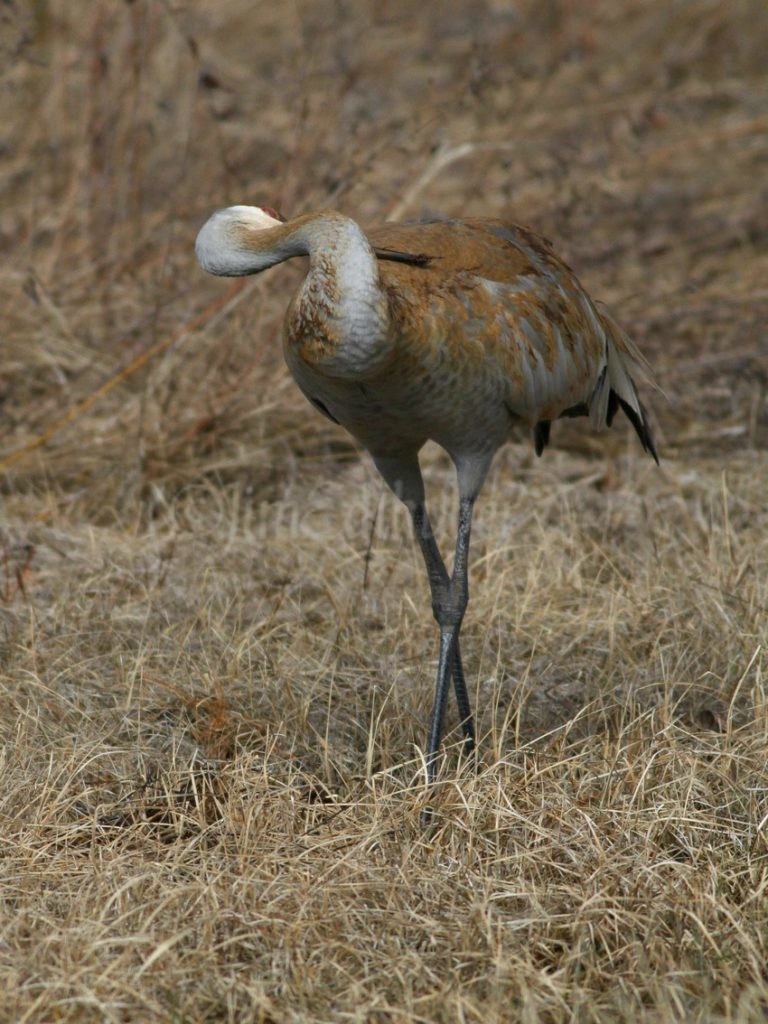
[[453, 331]]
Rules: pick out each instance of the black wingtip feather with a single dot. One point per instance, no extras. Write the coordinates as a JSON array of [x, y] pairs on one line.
[[642, 427], [541, 435], [613, 405]]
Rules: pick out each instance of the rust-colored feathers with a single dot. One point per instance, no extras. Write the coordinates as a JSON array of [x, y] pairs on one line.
[[446, 330], [451, 331], [501, 290]]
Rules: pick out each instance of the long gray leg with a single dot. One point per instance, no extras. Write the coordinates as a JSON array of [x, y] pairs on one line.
[[462, 700], [449, 593], [439, 584], [449, 602]]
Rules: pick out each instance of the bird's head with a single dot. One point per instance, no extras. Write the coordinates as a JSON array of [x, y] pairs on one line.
[[221, 246]]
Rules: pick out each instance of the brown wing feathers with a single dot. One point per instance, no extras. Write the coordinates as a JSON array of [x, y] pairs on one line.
[[522, 245]]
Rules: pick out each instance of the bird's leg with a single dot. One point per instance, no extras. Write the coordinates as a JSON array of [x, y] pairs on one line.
[[449, 593], [450, 614], [462, 700], [449, 611], [440, 584]]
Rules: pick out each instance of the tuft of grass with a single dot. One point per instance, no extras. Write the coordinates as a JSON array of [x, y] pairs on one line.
[[216, 652]]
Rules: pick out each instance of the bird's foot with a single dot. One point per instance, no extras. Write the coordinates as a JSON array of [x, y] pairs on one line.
[[426, 818], [469, 754]]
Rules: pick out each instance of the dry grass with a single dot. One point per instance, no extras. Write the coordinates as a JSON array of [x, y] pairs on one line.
[[216, 654]]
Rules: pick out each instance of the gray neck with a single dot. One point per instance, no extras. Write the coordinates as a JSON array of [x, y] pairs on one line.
[[339, 319], [340, 304]]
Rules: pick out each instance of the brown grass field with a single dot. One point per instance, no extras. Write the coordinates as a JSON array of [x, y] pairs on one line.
[[216, 647]]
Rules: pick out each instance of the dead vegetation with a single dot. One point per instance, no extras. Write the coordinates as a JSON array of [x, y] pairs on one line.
[[215, 643]]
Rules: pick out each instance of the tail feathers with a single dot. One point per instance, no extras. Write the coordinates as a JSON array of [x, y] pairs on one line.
[[541, 435], [616, 389], [639, 421]]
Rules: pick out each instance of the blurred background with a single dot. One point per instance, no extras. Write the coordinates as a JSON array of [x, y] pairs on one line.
[[216, 650], [634, 135]]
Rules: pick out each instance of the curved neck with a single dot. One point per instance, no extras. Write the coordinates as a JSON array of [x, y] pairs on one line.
[[339, 319], [259, 247], [246, 240]]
